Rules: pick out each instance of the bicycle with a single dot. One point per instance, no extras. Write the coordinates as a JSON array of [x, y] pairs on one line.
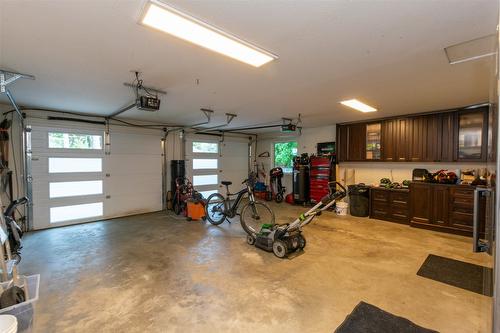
[[253, 214], [183, 191], [14, 232]]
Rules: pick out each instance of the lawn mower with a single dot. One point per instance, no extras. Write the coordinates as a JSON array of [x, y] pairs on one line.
[[284, 239]]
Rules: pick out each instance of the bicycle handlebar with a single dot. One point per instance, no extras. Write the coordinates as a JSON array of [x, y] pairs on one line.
[[14, 204]]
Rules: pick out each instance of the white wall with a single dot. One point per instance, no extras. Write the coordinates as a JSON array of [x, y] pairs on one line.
[[306, 142], [371, 172]]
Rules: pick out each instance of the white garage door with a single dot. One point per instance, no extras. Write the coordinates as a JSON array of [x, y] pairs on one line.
[[208, 162], [234, 163], [74, 181]]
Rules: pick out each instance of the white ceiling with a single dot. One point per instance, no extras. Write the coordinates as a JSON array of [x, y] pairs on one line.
[[386, 53]]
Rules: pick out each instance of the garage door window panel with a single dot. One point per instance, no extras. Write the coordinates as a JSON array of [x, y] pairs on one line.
[[75, 212], [60, 140], [74, 165], [205, 163], [205, 147], [74, 188], [199, 180]]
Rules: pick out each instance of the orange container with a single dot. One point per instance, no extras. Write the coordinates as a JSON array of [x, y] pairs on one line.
[[261, 195], [195, 210]]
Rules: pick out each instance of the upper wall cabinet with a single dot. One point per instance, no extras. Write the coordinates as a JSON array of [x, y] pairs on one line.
[[472, 135], [395, 140], [373, 141], [342, 143], [439, 137], [357, 142], [417, 139]]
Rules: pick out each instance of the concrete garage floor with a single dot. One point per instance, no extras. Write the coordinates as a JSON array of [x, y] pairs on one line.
[[158, 273]]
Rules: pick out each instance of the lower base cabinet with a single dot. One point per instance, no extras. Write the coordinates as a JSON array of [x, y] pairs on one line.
[[389, 204], [442, 207]]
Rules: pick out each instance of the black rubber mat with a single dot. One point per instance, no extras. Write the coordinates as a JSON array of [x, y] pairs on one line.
[[367, 318], [458, 274]]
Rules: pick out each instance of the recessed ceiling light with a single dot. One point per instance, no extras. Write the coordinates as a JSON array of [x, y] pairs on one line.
[[355, 104], [167, 19]]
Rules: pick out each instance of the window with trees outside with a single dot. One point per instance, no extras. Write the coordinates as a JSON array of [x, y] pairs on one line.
[[74, 141], [284, 153]]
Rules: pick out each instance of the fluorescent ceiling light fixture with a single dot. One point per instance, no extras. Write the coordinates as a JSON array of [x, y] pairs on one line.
[[355, 104], [167, 19]]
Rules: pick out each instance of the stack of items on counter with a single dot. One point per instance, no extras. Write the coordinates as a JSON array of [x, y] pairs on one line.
[[387, 183]]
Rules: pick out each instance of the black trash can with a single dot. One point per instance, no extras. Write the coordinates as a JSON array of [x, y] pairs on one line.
[[359, 200]]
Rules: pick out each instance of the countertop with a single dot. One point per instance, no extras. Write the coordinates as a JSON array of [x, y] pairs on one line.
[[405, 189]]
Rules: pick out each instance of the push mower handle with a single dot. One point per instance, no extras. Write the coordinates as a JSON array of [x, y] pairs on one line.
[[332, 185]]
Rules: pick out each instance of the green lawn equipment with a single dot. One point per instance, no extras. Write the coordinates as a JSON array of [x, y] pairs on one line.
[[284, 239]]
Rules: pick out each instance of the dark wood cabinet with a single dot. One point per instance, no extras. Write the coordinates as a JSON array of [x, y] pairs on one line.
[[394, 144], [373, 141], [438, 137], [417, 135], [352, 139], [440, 203], [402, 131], [356, 150], [342, 143], [389, 204], [420, 203], [432, 138], [388, 140], [442, 207], [461, 208], [389, 137], [448, 142], [471, 127]]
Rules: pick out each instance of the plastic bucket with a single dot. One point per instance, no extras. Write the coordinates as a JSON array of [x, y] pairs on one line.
[[341, 208], [8, 324]]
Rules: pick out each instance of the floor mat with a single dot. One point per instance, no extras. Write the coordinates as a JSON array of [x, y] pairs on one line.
[[367, 318], [457, 273]]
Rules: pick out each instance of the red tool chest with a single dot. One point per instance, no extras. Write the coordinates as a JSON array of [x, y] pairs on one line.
[[321, 172]]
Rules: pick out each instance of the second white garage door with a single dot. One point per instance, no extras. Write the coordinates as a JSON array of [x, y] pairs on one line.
[[209, 161]]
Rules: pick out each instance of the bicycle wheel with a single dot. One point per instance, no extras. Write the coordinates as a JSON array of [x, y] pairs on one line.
[[215, 209], [254, 215]]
